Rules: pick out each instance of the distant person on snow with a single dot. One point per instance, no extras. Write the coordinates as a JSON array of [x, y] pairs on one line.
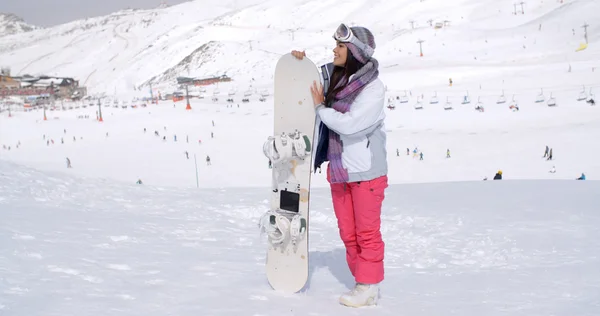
[[553, 170], [68, 162], [546, 152], [550, 155], [498, 175], [447, 153], [354, 110], [582, 177]]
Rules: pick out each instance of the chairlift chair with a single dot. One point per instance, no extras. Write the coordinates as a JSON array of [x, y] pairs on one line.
[[448, 105], [404, 98], [540, 98], [514, 106], [551, 101], [582, 95], [501, 99], [591, 100], [419, 104], [434, 99], [479, 107], [466, 99]]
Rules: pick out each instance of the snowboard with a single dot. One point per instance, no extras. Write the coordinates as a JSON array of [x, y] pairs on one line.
[[294, 113]]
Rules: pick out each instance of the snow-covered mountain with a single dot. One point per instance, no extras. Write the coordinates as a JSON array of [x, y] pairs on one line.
[[11, 24], [130, 49]]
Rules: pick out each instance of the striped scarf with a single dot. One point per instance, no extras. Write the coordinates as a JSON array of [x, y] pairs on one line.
[[343, 102]]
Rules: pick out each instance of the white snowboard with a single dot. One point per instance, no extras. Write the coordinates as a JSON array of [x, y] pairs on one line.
[[287, 265]]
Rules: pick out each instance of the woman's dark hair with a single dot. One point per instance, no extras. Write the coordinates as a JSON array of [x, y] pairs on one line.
[[341, 73]]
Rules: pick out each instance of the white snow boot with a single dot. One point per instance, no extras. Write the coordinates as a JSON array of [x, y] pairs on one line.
[[361, 295]]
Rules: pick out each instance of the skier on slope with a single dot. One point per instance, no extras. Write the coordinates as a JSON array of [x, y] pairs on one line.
[[350, 112], [498, 175]]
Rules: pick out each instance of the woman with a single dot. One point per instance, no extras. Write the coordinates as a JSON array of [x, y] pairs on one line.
[[352, 138]]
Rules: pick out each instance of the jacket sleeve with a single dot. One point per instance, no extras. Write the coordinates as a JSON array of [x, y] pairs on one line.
[[364, 115]]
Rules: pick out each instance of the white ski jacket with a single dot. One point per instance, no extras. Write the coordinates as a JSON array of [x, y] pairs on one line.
[[362, 132]]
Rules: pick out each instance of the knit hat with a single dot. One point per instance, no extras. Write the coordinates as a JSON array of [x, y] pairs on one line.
[[364, 35]]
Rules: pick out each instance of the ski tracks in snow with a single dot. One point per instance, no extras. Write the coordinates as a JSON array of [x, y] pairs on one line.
[[94, 246]]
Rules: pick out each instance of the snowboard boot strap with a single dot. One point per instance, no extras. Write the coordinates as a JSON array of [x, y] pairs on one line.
[[297, 230], [301, 144], [284, 147]]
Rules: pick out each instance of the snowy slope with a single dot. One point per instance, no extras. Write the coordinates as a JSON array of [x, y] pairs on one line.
[[131, 49], [89, 247], [11, 24]]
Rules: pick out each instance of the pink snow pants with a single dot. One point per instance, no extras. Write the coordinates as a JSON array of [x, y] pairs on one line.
[[357, 206]]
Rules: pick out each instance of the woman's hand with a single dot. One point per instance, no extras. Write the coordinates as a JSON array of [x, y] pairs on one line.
[[298, 54], [317, 93]]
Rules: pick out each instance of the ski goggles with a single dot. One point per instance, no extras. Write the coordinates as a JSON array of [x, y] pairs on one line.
[[344, 34]]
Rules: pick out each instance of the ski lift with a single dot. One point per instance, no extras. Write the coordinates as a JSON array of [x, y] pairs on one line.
[[390, 104], [448, 105], [404, 98], [514, 106], [582, 96], [419, 104], [551, 101], [232, 92], [434, 99], [216, 91], [501, 99], [591, 99], [248, 92], [540, 98], [202, 89], [479, 107], [466, 99]]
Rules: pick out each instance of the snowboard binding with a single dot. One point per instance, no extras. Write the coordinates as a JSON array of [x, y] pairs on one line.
[[285, 147], [282, 228]]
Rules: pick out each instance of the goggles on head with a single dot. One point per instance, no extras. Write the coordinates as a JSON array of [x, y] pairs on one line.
[[344, 34]]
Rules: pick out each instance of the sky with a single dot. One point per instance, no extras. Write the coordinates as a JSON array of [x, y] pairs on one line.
[[52, 12]]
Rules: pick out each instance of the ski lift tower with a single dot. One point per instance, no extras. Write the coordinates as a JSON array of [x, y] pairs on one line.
[[186, 82], [420, 41]]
